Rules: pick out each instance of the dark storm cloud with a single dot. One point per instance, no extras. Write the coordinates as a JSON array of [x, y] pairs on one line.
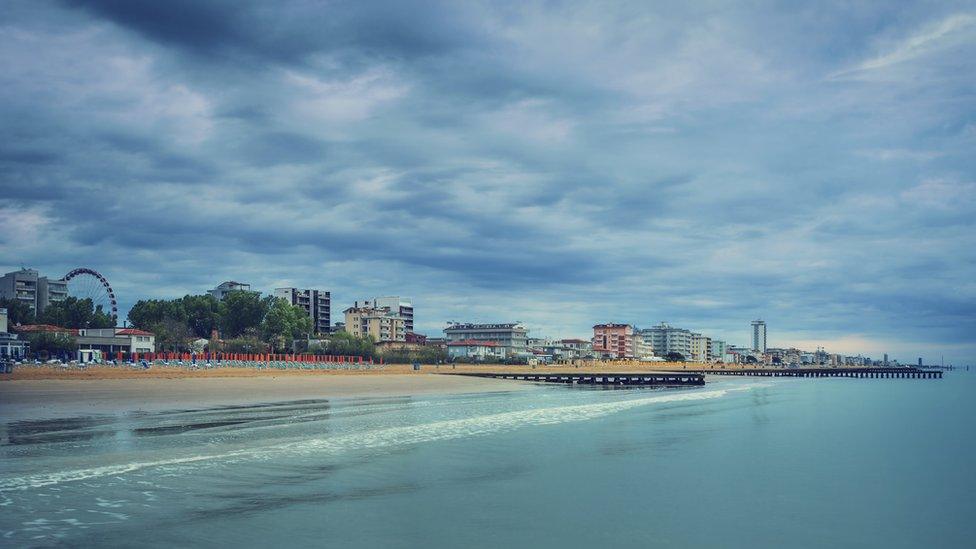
[[560, 163], [289, 32]]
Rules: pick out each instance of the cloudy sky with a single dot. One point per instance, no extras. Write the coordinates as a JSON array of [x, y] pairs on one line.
[[555, 163]]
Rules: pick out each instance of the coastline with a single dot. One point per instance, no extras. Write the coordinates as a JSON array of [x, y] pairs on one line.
[[38, 392], [24, 373], [52, 398]]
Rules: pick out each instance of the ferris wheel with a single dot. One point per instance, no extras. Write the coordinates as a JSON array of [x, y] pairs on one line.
[[84, 283]]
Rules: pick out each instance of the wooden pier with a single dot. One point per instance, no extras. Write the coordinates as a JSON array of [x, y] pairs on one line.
[[872, 373], [656, 379]]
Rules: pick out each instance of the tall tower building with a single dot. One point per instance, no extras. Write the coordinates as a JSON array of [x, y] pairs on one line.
[[759, 335]]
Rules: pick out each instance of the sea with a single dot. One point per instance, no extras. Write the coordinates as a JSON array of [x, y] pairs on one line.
[[743, 462]]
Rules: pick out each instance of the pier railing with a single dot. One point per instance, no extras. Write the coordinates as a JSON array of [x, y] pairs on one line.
[[870, 373], [666, 379]]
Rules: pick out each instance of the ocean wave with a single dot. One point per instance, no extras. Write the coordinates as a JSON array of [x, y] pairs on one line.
[[392, 436]]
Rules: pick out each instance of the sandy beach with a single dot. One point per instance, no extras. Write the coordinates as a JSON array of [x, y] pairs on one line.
[[37, 392], [48, 398]]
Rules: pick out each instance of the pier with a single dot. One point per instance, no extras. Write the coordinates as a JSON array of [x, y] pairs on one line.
[[871, 373], [656, 379]]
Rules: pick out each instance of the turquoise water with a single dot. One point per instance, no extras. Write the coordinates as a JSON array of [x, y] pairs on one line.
[[739, 463]]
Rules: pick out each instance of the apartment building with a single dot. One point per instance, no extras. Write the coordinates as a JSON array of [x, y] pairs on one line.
[[665, 339], [317, 303], [700, 345], [28, 287], [382, 324], [613, 340], [401, 305]]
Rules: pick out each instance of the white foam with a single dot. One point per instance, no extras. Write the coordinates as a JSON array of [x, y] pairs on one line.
[[413, 434]]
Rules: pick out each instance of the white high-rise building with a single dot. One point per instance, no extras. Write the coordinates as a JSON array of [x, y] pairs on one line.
[[759, 336]]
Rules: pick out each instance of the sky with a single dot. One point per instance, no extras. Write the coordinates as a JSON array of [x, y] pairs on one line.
[[560, 164]]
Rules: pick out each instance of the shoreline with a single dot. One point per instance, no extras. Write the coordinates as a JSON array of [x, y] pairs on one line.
[[53, 398], [45, 372]]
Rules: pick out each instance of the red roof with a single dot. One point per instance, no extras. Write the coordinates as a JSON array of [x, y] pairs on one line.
[[34, 328], [132, 332], [472, 343]]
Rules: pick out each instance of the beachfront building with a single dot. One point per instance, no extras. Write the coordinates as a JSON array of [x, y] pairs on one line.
[[717, 350], [112, 340], [743, 355], [642, 348], [699, 348], [665, 339], [400, 305], [380, 323], [574, 348], [11, 346], [759, 336], [107, 340], [28, 287], [227, 287], [472, 349], [512, 338], [317, 303], [613, 340]]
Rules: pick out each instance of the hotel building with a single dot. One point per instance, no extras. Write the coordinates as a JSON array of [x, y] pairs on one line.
[[512, 338], [613, 340]]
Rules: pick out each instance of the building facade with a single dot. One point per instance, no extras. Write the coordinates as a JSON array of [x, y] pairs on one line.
[[11, 346], [759, 336], [471, 349], [28, 287], [642, 349], [382, 324], [401, 305], [700, 345], [112, 340], [717, 350], [613, 340], [225, 288], [511, 339], [317, 303], [108, 340], [665, 339]]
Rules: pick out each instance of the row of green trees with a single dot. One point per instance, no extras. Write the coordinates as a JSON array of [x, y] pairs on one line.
[[242, 318], [70, 313]]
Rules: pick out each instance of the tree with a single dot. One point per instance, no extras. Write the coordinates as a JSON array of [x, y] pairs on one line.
[[52, 343], [171, 335], [76, 313], [18, 312], [241, 310], [674, 356], [284, 322], [425, 355], [202, 314], [146, 313], [344, 343]]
